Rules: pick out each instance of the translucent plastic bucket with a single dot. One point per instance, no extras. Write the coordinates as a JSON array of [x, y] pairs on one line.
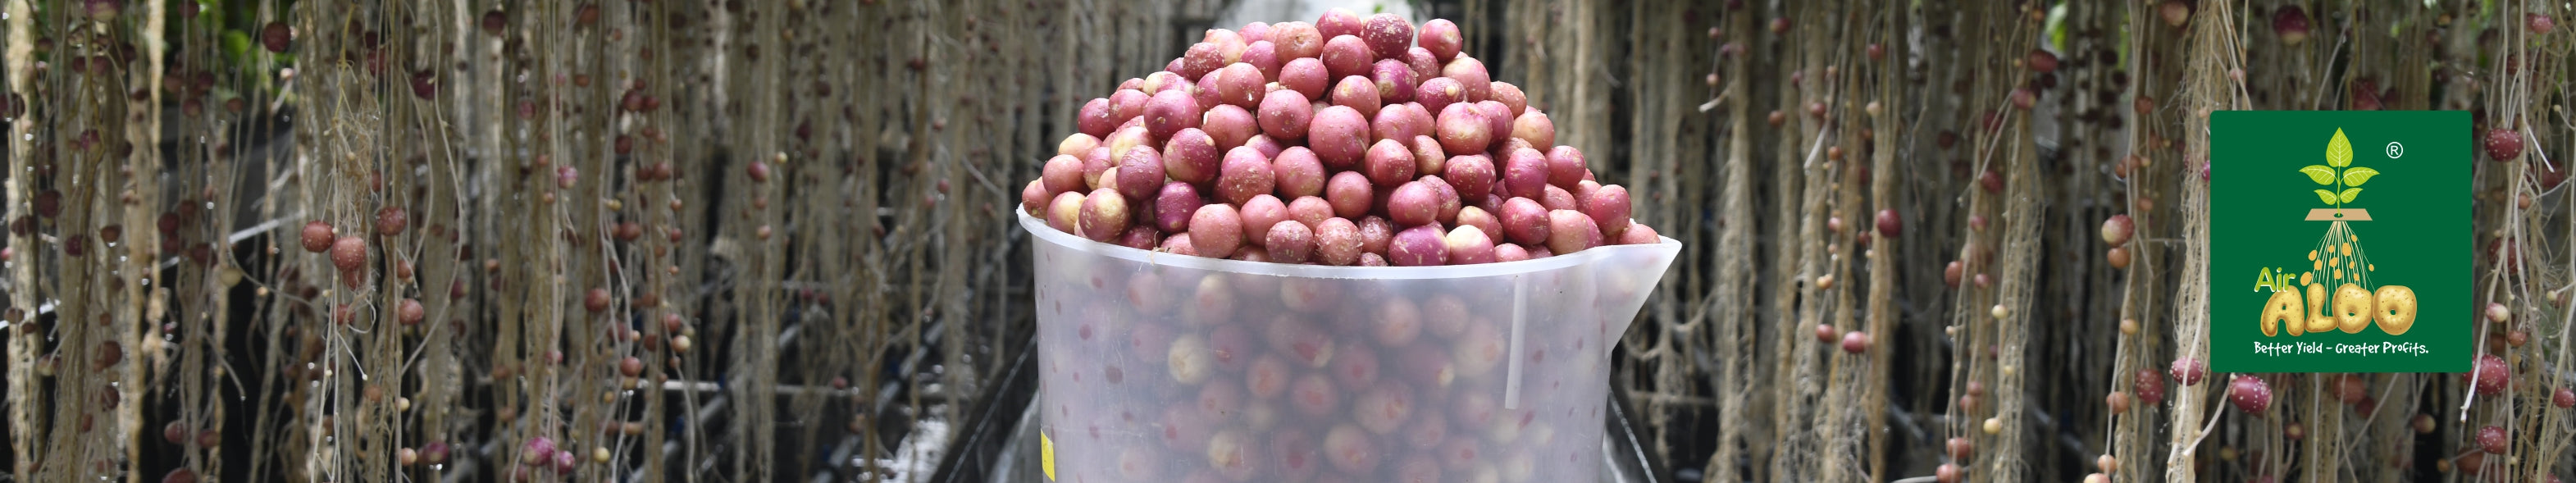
[[1168, 368]]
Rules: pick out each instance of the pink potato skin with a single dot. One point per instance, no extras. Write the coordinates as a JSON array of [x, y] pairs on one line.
[[1298, 173], [1389, 163], [1034, 197], [1096, 119], [1437, 93], [1525, 174], [1104, 215], [1375, 234], [1469, 245], [1098, 162], [1339, 22], [1192, 156], [1307, 76], [1065, 213], [1395, 81], [1179, 244], [1428, 156], [1169, 112], [1359, 94], [1349, 193], [1126, 104], [1534, 127], [1511, 97], [1498, 118], [1337, 242], [1372, 260], [1264, 56], [1259, 215], [1471, 76], [1230, 126], [1309, 210], [1240, 85], [1608, 207], [1510, 252], [1555, 198], [1449, 199], [1175, 205], [1291, 242], [1440, 37], [1482, 220], [1269, 148], [1285, 115], [1297, 40], [1063, 173], [1397, 122], [1569, 231], [1424, 65], [1218, 230], [1255, 32], [1463, 130], [1471, 174], [1566, 166], [1140, 173], [1413, 204], [1246, 174], [1524, 221], [1639, 234], [1420, 246], [1141, 237], [1387, 34], [1203, 57], [1347, 56], [1339, 136]]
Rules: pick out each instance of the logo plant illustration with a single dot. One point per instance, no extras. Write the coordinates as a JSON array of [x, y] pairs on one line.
[[2339, 172]]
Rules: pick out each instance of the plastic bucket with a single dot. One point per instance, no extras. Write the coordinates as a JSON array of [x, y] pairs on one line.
[[1158, 367]]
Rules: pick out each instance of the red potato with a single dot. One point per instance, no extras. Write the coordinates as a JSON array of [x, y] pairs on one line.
[[1511, 97], [1063, 173], [1450, 200], [1191, 156], [1357, 93], [1471, 76], [1350, 449], [1189, 360], [1498, 120], [1566, 166], [1311, 211], [1337, 242], [1267, 377], [1126, 104], [1246, 173], [1290, 241], [1204, 91], [1349, 193], [1239, 85], [1338, 22], [1104, 215], [1156, 83], [1303, 344], [1347, 56], [1252, 254], [1398, 322], [1098, 162], [1540, 251], [1230, 126], [1524, 221], [1479, 350], [1608, 207], [1269, 148], [1217, 230], [1285, 114], [1228, 43], [1141, 237], [1372, 260], [1178, 244], [1639, 234], [1201, 58], [1472, 174], [1389, 163], [1569, 231], [1034, 197], [1297, 173], [1383, 408], [1264, 57], [1096, 118], [1171, 111], [1140, 173], [1259, 215], [1123, 139], [1463, 130], [1437, 93], [1398, 122], [1387, 34], [1510, 252], [1468, 245], [1534, 127], [1555, 198], [1065, 213], [1075, 144], [1525, 174], [1255, 32], [1421, 64], [1375, 235], [1441, 37], [1413, 204], [1307, 76], [1339, 136], [1428, 156], [1175, 205], [1394, 78], [1420, 246], [1297, 40], [1482, 220]]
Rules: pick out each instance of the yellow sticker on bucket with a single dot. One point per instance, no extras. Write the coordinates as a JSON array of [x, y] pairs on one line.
[[1046, 455]]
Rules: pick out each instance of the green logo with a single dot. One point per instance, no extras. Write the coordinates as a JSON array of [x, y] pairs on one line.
[[2295, 222]]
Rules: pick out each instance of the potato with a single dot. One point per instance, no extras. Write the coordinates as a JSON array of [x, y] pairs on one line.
[[1463, 131], [1477, 351], [1201, 58], [1525, 174], [1438, 93], [1389, 163], [1258, 216], [1512, 97], [1156, 83], [1397, 122], [1498, 120], [1524, 221], [1481, 219], [1307, 76], [1269, 148], [1375, 234], [1230, 126], [1449, 199], [1337, 242], [1255, 32], [1264, 57], [1422, 64], [1347, 56], [1063, 173], [1190, 362], [1290, 241], [1203, 90], [1140, 173], [1534, 127], [1510, 252], [1565, 166], [1171, 111], [1413, 204], [1104, 215], [1216, 230], [1608, 207], [1175, 205], [1065, 213], [1297, 40], [1349, 193], [1313, 395], [1096, 118], [1141, 237], [1639, 234], [1471, 76], [1569, 231], [1076, 144], [1309, 210], [1350, 449], [1339, 136], [1468, 245], [1372, 260], [1357, 93], [1239, 84], [1441, 38], [1301, 342], [1382, 408], [1034, 198], [1228, 42], [1555, 198], [1395, 81], [1191, 156], [1285, 114], [1297, 173], [1419, 246], [1472, 174], [1178, 244], [1252, 254], [1246, 173], [1096, 163], [1126, 104]]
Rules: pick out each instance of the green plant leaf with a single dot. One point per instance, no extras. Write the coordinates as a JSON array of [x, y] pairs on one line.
[[2355, 176], [2327, 196], [2348, 195], [2319, 174], [2339, 150]]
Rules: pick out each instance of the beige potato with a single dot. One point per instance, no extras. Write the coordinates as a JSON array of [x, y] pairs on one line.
[[2395, 310], [2318, 320], [2283, 310], [2353, 308]]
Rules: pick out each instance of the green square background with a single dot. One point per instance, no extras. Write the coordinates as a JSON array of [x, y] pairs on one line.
[[2419, 235]]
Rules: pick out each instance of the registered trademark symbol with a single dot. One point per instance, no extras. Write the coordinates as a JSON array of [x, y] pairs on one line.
[[2396, 150]]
